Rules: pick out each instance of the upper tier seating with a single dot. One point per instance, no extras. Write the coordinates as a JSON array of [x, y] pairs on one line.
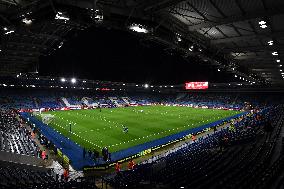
[[32, 99]]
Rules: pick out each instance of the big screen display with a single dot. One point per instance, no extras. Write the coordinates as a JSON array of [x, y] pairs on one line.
[[196, 85]]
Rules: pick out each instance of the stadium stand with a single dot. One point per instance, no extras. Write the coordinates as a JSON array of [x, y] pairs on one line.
[[35, 99], [224, 158], [14, 137], [136, 94], [25, 176]]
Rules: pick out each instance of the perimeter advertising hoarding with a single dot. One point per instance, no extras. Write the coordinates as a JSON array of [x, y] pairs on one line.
[[196, 85]]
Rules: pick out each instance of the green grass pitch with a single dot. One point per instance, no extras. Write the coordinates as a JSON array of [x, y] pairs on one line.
[[95, 129]]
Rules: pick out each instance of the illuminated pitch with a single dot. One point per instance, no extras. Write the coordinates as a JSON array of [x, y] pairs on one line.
[[95, 129]]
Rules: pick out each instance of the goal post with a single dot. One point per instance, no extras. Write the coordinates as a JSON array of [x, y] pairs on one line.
[[47, 118]]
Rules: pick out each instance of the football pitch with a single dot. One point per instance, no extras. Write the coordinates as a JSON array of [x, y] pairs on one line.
[[95, 129]]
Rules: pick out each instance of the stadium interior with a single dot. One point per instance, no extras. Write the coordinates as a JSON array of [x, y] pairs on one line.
[[141, 94]]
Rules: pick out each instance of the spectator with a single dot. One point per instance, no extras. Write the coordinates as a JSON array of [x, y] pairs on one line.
[[90, 153], [55, 150], [33, 135], [39, 153], [43, 155], [215, 129], [66, 175], [117, 167], [57, 177], [109, 156], [226, 141], [84, 152], [62, 177], [131, 164], [193, 138]]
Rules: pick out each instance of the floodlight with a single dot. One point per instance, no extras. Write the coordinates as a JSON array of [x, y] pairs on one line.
[[61, 16], [262, 22], [270, 42], [138, 28], [275, 53], [27, 21], [73, 80], [60, 45], [63, 80], [179, 38], [8, 32], [263, 26], [146, 86]]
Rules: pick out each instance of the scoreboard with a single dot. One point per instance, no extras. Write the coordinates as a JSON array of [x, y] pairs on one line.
[[196, 85]]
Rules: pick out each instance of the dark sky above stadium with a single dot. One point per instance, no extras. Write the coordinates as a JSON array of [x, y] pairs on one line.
[[113, 55]]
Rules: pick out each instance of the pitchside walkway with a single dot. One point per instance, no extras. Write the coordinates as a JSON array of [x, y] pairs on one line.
[[75, 152], [72, 150]]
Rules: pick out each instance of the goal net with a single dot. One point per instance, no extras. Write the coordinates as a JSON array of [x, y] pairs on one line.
[[47, 118]]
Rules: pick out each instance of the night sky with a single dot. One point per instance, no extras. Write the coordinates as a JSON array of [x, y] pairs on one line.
[[114, 55]]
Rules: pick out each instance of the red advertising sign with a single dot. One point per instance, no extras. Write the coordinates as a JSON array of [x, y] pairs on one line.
[[196, 85]]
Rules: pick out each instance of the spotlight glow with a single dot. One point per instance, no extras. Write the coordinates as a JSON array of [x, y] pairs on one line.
[[138, 28], [61, 16], [73, 80], [270, 42], [262, 22], [9, 32], [275, 53], [27, 21]]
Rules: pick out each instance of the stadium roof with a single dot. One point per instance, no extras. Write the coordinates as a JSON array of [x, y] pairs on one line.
[[244, 37]]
